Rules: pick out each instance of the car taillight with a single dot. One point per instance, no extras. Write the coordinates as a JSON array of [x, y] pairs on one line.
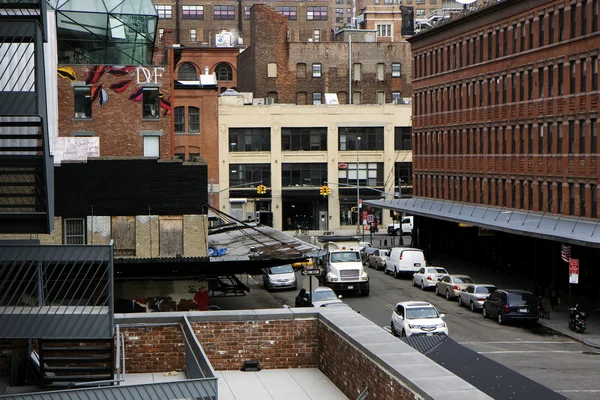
[[400, 258], [506, 308], [429, 278], [481, 299], [538, 309], [456, 287]]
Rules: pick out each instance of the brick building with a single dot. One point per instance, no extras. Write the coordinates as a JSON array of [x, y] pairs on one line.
[[301, 72]]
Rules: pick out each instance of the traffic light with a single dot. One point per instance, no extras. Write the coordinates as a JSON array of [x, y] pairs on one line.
[[324, 191], [261, 189], [327, 190]]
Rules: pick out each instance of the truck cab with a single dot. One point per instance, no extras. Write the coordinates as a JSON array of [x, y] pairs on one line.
[[402, 227], [343, 269]]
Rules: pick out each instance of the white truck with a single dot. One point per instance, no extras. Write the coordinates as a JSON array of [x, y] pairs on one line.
[[403, 227], [342, 268]]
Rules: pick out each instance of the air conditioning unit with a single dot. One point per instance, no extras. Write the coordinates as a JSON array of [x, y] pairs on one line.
[[269, 101], [258, 101], [397, 101]]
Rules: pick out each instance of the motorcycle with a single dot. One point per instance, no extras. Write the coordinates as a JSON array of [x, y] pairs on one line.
[[577, 319]]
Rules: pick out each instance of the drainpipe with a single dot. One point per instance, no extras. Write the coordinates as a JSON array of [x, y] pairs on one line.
[[350, 70], [177, 21]]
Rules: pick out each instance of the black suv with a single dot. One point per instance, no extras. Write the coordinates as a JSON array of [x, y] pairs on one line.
[[511, 304]]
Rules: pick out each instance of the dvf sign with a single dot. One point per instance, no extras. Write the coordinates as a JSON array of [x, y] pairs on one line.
[[147, 75]]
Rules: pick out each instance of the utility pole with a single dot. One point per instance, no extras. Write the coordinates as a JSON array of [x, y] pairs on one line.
[[357, 189]]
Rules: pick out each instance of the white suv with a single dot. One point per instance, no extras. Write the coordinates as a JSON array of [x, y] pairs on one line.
[[417, 318]]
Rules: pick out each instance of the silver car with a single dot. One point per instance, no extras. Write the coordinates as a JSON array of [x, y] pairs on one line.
[[427, 277], [473, 296], [280, 277]]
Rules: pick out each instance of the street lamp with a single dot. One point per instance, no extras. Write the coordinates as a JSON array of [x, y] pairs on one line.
[[357, 189]]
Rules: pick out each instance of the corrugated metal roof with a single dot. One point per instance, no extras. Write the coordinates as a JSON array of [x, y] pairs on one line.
[[580, 231]]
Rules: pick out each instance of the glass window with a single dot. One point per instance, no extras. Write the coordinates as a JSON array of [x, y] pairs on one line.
[[151, 146], [303, 174], [371, 138], [224, 72], [396, 70], [316, 35], [83, 102], [150, 104], [403, 138], [192, 12], [317, 98], [224, 12], [384, 30], [594, 73], [247, 12], [582, 136], [303, 139], [164, 11], [240, 174], [582, 75], [179, 118], [396, 97], [193, 120], [316, 70], [249, 139], [193, 35], [74, 231], [369, 174], [187, 72], [288, 12], [572, 73], [560, 79], [316, 13]]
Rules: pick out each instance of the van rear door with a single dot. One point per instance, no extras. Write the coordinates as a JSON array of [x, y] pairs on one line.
[[414, 259]]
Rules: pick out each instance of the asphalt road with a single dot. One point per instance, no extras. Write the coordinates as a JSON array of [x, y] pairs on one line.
[[562, 364]]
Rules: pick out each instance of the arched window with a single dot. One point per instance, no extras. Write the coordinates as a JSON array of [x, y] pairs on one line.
[[187, 72], [224, 72]]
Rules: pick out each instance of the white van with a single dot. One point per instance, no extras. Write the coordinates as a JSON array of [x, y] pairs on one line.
[[404, 261]]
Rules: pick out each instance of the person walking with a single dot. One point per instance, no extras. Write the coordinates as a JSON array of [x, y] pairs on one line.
[[554, 298]]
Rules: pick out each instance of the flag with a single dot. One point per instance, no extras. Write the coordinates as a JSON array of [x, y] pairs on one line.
[[565, 252]]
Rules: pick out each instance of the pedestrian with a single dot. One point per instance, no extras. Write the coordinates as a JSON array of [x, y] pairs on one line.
[[372, 230], [554, 298]]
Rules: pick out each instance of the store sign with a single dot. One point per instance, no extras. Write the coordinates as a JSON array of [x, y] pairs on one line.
[[149, 75], [342, 166], [574, 271]]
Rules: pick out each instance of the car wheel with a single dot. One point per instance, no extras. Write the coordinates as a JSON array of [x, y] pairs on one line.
[[484, 312], [437, 291], [422, 285], [500, 319], [393, 329], [448, 295], [385, 270], [397, 232], [403, 333], [460, 303], [472, 307], [396, 273]]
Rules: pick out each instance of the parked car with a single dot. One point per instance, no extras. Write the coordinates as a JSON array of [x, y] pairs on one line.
[[403, 227], [474, 295], [378, 259], [417, 318], [322, 296], [451, 285], [511, 304], [404, 260], [365, 253], [427, 277], [280, 277]]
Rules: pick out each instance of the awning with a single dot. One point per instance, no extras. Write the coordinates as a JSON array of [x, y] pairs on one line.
[[578, 231]]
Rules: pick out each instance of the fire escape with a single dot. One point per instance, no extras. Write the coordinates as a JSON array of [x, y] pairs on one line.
[[26, 165]]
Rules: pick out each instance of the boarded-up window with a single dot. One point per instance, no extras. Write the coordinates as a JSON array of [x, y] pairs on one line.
[[301, 98], [380, 70], [380, 97], [356, 98], [171, 236], [342, 97], [300, 70], [357, 73], [123, 233], [74, 231], [271, 70]]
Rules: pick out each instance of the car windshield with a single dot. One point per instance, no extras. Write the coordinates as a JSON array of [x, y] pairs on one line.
[[323, 295], [521, 299], [347, 256], [384, 253], [422, 312], [437, 271], [462, 279], [282, 269], [485, 289]]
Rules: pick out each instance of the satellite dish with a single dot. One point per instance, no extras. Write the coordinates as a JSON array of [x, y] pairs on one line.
[[465, 1]]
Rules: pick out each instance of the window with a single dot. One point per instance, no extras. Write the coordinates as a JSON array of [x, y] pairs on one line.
[[224, 72], [561, 24], [541, 30], [571, 198], [249, 139], [380, 71], [559, 140], [551, 28], [356, 97], [316, 70], [582, 75], [357, 72], [371, 138], [247, 12], [369, 174], [303, 139], [549, 138], [571, 137], [224, 12], [581, 136], [193, 120], [192, 12], [571, 77], [594, 15], [151, 146], [74, 231], [316, 35], [560, 79], [164, 11], [317, 98], [150, 104], [522, 36], [594, 73], [316, 13], [83, 102], [193, 37], [583, 17], [179, 118], [303, 174], [288, 12], [161, 34], [541, 139], [397, 70], [384, 30], [396, 98], [573, 20], [521, 86], [550, 80], [380, 97], [187, 72], [403, 138], [531, 34], [240, 174], [594, 135]]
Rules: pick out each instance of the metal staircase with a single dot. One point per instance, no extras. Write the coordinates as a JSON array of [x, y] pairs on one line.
[[26, 165]]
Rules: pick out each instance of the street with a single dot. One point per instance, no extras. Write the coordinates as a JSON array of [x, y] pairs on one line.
[[560, 363]]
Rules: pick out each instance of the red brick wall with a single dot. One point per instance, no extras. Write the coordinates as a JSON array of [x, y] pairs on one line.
[[274, 344], [154, 349], [352, 372], [118, 122]]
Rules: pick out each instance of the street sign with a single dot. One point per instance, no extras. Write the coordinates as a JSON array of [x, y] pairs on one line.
[[574, 271], [311, 271], [370, 218]]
